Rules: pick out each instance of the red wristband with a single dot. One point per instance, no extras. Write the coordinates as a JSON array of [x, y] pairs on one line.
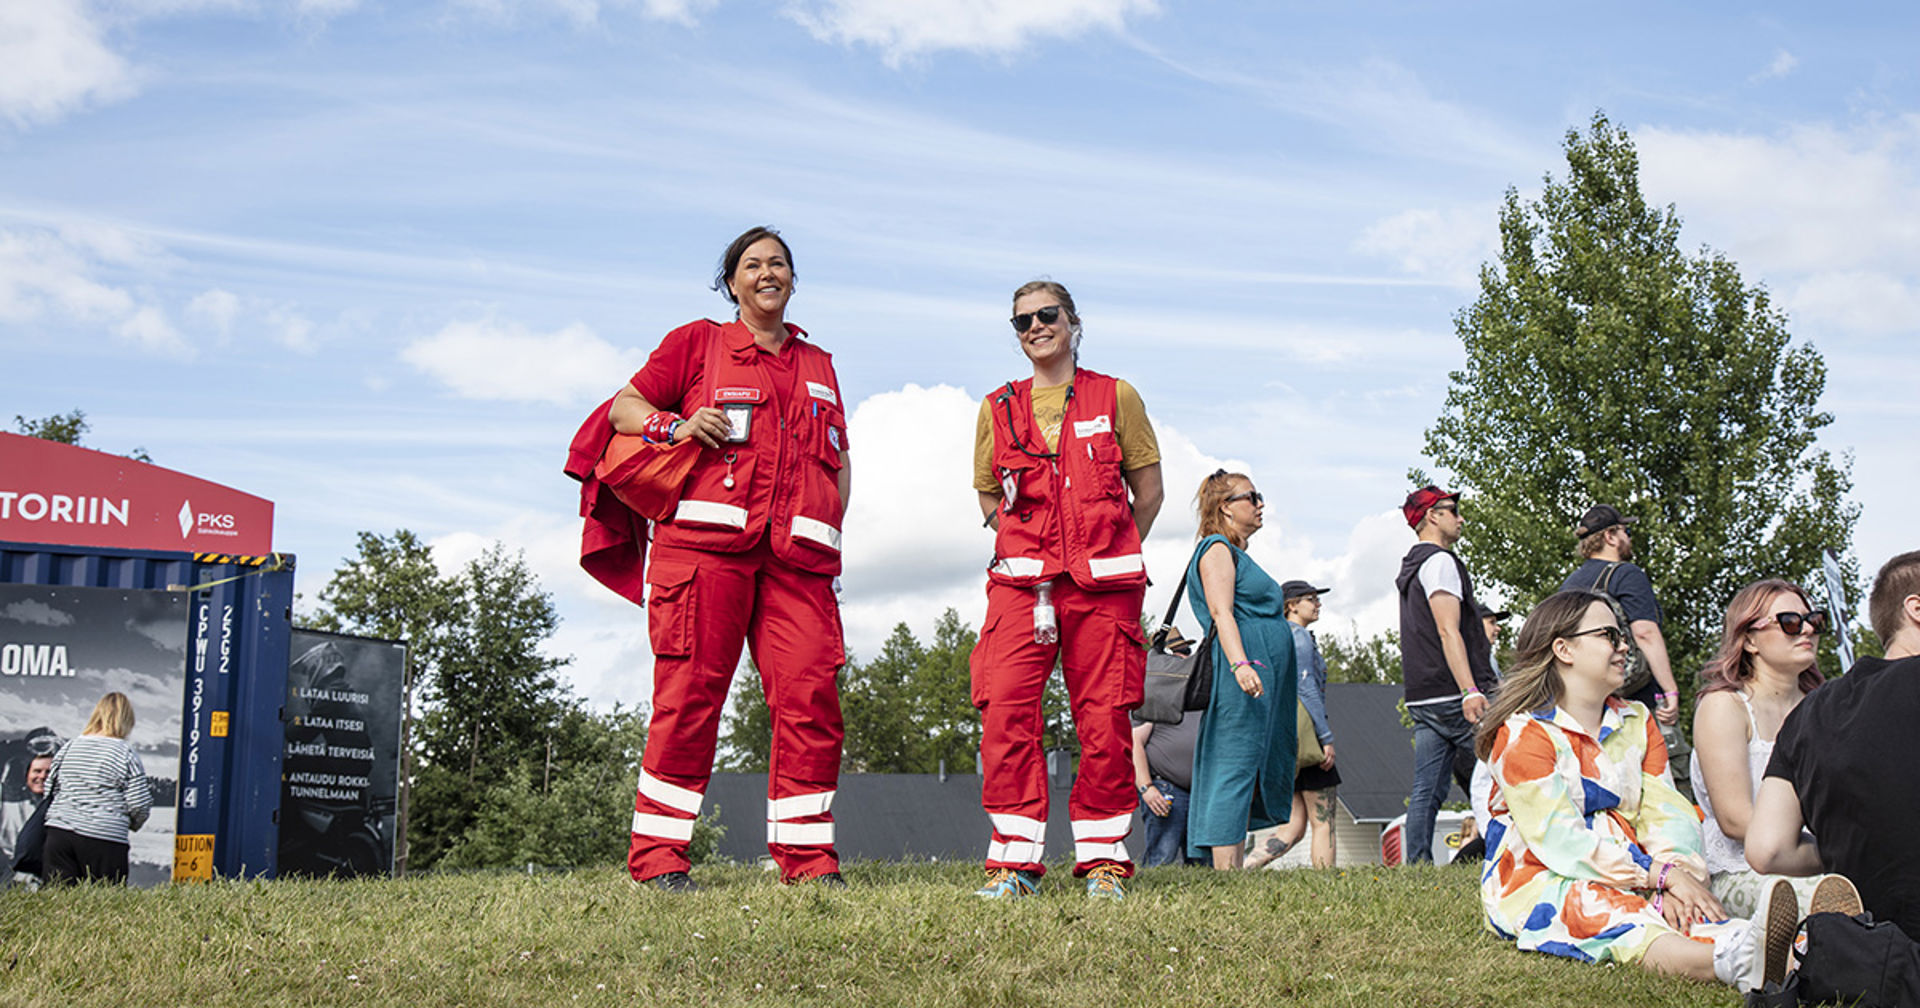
[[658, 427]]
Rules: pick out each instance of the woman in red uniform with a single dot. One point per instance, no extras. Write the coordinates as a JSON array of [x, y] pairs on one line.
[[1068, 474], [749, 556]]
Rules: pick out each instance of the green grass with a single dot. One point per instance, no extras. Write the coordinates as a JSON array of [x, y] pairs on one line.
[[902, 935]]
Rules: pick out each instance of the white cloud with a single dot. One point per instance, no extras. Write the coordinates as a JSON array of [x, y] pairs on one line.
[[902, 31], [490, 359], [1782, 64], [684, 12], [40, 274], [215, 308], [1858, 301], [54, 59], [291, 330], [148, 328], [1829, 216], [48, 276], [1447, 245]]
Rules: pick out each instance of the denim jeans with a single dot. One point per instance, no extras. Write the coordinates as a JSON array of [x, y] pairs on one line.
[[1440, 734], [1166, 835]]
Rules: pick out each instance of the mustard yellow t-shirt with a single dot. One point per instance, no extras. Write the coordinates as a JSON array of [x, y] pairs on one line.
[[1138, 447]]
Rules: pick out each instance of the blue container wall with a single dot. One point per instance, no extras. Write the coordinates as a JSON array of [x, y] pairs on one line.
[[238, 633]]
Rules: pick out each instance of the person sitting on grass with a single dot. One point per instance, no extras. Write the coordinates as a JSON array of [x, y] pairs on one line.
[[1591, 853]]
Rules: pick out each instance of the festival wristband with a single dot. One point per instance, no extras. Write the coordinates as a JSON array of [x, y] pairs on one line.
[[1664, 869], [1658, 898], [1471, 691], [659, 426], [1663, 696], [1250, 663]]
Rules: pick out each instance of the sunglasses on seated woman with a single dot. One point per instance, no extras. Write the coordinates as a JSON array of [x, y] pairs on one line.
[[1615, 635], [1791, 622]]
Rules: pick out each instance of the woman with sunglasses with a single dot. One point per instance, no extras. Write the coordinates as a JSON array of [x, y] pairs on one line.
[[1246, 760], [1068, 475], [1764, 666], [1591, 853]]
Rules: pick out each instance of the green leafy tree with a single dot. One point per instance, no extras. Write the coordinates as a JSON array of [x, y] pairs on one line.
[[1605, 364], [910, 710], [492, 714], [1352, 658], [66, 428]]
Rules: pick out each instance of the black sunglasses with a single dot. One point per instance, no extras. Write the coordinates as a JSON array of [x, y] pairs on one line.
[[1252, 495], [1615, 636], [1792, 622], [1024, 321]]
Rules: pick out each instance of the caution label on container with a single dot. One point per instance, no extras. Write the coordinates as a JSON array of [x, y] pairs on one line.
[[217, 727], [193, 857]]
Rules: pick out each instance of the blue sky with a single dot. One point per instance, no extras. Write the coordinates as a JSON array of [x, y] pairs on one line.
[[375, 261]]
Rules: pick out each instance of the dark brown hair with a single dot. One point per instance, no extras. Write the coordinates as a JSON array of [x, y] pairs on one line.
[[1898, 578], [730, 259]]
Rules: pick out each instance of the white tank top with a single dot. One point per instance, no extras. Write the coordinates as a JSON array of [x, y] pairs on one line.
[[1724, 853]]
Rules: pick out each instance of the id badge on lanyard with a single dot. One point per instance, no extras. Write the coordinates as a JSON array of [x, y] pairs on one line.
[[738, 403]]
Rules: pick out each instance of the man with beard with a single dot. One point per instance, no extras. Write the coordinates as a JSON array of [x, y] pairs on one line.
[[1607, 544]]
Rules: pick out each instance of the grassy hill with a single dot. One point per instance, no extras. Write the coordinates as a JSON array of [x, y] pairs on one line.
[[902, 935]]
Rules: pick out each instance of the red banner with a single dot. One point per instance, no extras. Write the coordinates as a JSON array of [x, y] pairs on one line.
[[63, 495]]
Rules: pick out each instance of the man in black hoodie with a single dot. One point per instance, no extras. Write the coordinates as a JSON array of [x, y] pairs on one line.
[[1444, 658]]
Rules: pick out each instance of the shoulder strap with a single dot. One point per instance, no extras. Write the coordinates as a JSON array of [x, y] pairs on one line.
[[1605, 580]]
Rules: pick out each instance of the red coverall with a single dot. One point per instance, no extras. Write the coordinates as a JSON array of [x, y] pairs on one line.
[[748, 557], [1063, 512]]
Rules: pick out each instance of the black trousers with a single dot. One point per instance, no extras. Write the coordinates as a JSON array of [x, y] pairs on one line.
[[71, 857]]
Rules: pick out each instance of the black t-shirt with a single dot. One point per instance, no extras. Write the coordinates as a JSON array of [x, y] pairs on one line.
[[1630, 587], [1852, 754]]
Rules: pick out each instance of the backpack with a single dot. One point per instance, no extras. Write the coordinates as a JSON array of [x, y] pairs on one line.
[[1638, 672]]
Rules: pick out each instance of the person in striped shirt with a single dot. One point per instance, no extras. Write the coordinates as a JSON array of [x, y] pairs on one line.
[[98, 793]]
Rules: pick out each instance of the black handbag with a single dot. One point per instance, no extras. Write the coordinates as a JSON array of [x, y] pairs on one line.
[[1177, 681]]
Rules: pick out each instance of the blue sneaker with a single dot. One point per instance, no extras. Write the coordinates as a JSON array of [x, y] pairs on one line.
[[1007, 883], [1109, 882]]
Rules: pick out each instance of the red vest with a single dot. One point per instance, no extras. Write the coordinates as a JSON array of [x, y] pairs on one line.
[[1066, 510], [784, 478]]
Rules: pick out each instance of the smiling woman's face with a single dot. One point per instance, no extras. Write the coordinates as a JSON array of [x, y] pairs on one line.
[[763, 281], [1044, 342]]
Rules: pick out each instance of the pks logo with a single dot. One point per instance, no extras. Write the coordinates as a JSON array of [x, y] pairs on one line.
[[204, 523]]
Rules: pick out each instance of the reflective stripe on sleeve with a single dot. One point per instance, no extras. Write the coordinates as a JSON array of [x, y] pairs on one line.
[[711, 513]]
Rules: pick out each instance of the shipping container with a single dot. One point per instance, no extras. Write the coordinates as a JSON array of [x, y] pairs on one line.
[[239, 630]]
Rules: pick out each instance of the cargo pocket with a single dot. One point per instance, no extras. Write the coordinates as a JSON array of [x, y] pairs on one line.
[[1107, 458], [670, 607], [1132, 661]]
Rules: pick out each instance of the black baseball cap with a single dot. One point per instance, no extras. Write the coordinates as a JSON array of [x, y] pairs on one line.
[[1598, 518], [1299, 589], [1488, 612]]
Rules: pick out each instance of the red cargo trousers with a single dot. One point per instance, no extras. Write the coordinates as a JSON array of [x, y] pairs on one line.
[[1103, 659], [701, 607]]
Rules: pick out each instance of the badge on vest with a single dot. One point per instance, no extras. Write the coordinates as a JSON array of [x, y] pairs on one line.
[[1088, 428], [737, 404], [819, 391], [833, 437]]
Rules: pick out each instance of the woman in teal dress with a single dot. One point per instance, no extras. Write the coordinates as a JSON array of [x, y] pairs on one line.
[[1245, 761]]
